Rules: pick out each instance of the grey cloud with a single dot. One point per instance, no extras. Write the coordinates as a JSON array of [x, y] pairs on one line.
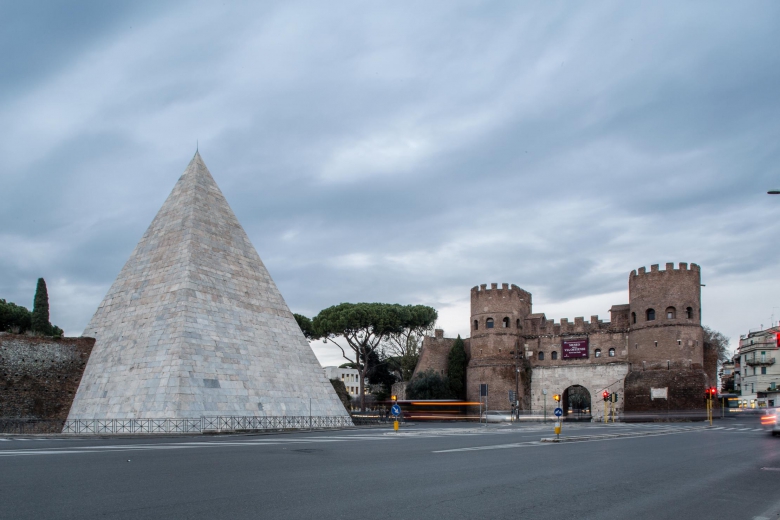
[[399, 152]]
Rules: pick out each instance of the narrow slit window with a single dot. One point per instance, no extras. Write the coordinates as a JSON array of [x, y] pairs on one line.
[[612, 352], [598, 352], [506, 323]]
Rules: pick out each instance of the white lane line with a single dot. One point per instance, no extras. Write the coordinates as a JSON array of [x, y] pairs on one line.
[[495, 447], [597, 439]]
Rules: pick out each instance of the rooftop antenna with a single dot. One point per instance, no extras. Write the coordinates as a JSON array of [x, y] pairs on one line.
[[196, 146]]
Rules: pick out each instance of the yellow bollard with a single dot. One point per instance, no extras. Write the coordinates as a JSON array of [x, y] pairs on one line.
[[557, 428], [395, 425]]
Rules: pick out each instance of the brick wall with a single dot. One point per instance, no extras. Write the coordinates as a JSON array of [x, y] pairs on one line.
[[685, 391], [434, 354], [39, 376]]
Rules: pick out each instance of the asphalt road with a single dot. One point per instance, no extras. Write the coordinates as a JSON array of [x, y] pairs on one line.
[[428, 471]]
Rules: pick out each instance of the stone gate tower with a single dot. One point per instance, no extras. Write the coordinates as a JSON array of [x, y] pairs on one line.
[[665, 317], [497, 317]]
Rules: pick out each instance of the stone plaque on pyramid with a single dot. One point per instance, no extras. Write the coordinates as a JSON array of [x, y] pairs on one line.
[[194, 326]]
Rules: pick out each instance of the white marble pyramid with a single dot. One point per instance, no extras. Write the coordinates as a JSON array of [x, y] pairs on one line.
[[194, 326]]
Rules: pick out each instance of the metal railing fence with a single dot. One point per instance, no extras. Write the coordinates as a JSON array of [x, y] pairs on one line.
[[203, 424]]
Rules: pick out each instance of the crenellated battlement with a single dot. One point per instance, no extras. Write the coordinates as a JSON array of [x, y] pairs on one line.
[[506, 290], [670, 268], [538, 324]]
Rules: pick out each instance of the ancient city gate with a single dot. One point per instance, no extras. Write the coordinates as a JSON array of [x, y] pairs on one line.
[[576, 403]]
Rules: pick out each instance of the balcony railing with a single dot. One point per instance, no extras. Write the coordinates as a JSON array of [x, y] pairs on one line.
[[760, 361]]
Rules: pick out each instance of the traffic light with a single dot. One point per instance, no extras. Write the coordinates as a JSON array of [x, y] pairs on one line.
[[613, 397], [711, 392], [605, 394], [556, 397]]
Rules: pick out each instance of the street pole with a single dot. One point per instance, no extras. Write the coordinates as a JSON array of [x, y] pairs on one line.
[[517, 381], [605, 412], [545, 406]]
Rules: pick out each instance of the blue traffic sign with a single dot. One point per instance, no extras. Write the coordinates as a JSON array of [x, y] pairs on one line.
[[395, 410], [558, 412]]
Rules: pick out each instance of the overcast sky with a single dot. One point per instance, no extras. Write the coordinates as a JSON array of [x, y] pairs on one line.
[[401, 152]]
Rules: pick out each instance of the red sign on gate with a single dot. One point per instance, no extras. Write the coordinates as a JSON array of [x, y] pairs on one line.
[[574, 348]]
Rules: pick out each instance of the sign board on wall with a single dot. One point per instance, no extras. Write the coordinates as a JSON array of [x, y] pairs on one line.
[[574, 348], [658, 393]]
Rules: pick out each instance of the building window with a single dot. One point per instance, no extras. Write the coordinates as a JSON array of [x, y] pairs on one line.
[[671, 313], [679, 342], [598, 352], [754, 370], [763, 371], [554, 355], [541, 356], [506, 323], [650, 314], [518, 324], [612, 352], [476, 325], [656, 343], [489, 323], [633, 317], [689, 313]]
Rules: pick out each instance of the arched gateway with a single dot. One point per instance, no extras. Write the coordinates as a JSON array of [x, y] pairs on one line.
[[576, 403]]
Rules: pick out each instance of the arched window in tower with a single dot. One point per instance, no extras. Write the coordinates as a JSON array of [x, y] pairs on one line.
[[633, 317], [505, 321], [671, 313], [489, 323], [476, 325], [541, 356], [612, 352], [597, 353], [554, 355], [689, 313], [650, 315], [518, 324]]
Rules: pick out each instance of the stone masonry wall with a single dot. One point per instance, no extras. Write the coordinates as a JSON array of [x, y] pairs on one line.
[[595, 378], [39, 376]]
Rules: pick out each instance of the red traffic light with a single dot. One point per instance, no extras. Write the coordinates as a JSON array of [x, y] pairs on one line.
[[605, 394]]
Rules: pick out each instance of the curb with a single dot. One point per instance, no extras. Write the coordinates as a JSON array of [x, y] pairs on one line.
[[205, 433]]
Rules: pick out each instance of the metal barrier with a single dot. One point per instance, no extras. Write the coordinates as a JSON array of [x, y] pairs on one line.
[[202, 424]]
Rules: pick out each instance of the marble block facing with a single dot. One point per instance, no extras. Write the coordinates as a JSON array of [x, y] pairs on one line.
[[195, 326]]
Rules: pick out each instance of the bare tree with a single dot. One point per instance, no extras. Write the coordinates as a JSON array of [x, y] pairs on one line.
[[404, 347], [719, 342]]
